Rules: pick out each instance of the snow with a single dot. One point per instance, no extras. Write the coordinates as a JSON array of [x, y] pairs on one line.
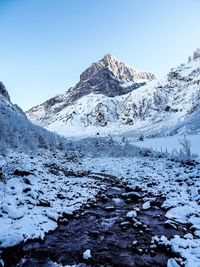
[[87, 254], [12, 212], [22, 216], [146, 205], [160, 108], [30, 205], [131, 214], [182, 214], [30, 210], [162, 172], [172, 263], [189, 249], [170, 143], [54, 264]]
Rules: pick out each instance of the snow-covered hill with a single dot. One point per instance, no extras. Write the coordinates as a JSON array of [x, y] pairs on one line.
[[109, 104], [18, 132]]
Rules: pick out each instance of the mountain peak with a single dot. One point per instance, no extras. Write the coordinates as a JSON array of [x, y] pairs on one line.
[[119, 70], [108, 58], [195, 55], [112, 62]]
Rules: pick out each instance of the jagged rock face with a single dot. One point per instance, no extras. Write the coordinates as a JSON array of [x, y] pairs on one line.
[[118, 69], [107, 77], [101, 82], [3, 91]]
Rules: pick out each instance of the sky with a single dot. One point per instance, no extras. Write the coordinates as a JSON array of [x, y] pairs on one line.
[[46, 44]]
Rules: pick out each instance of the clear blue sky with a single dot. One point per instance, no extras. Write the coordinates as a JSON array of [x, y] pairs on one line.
[[46, 44]]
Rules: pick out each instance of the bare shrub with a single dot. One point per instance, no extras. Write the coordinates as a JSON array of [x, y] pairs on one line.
[[185, 147]]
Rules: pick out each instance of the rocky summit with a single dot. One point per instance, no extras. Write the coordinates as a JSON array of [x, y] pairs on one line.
[[118, 69], [108, 77]]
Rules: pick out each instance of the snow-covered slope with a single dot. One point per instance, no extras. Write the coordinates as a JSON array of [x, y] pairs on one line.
[[161, 107], [18, 132]]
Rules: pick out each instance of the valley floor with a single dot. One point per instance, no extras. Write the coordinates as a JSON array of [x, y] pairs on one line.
[[37, 193], [170, 143]]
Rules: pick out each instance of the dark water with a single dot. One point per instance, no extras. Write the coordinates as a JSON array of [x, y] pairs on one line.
[[104, 229]]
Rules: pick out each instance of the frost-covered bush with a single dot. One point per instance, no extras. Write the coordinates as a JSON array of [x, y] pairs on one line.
[[185, 147], [184, 154], [102, 147]]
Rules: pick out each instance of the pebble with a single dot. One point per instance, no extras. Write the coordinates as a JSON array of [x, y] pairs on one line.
[[125, 224], [131, 214], [146, 205], [135, 196]]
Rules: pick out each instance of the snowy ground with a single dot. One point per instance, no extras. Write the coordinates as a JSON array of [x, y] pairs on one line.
[[178, 183], [170, 143], [31, 204]]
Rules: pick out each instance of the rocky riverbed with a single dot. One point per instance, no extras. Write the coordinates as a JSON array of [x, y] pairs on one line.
[[114, 230]]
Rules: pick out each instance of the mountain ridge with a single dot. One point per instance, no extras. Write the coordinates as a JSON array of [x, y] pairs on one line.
[[159, 107]]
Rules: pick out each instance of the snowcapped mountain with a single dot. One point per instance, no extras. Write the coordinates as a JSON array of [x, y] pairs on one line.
[[106, 101], [17, 131], [108, 77]]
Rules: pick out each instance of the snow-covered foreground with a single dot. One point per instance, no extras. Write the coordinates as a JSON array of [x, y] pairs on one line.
[[32, 202], [36, 191], [177, 182], [170, 143]]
